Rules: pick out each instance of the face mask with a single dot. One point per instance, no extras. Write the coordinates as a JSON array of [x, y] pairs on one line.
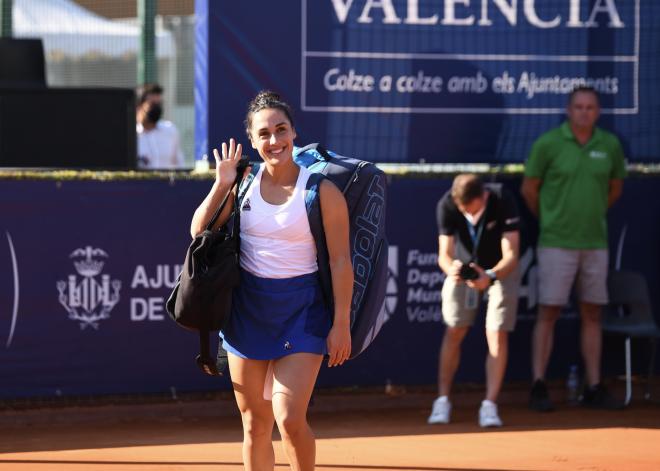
[[154, 113]]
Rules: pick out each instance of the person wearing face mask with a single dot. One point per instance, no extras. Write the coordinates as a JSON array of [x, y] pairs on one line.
[[158, 142], [479, 239]]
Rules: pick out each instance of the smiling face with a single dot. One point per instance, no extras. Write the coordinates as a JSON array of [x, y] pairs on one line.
[[272, 135]]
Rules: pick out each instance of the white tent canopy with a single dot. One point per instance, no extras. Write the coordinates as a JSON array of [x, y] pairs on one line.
[[69, 30]]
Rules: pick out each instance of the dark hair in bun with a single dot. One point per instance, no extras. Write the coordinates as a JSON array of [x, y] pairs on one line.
[[264, 100]]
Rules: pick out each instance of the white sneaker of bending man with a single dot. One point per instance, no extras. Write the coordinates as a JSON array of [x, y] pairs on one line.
[[441, 411], [488, 414]]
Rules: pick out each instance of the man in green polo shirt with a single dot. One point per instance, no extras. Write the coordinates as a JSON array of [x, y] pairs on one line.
[[573, 174]]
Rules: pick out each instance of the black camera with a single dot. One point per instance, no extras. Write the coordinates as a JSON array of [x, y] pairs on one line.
[[468, 273]]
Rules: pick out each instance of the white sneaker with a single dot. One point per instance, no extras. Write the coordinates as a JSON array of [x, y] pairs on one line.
[[488, 415], [441, 411]]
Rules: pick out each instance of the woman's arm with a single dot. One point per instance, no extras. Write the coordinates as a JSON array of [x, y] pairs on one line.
[[225, 175], [335, 224]]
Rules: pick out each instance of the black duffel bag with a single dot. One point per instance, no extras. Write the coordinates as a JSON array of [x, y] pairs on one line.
[[201, 298]]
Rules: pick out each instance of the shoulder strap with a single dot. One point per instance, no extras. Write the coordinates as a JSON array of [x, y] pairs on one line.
[[315, 218], [216, 215], [241, 188], [247, 182], [313, 190]]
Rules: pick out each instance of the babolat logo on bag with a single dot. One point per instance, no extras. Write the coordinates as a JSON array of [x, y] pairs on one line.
[[364, 187]]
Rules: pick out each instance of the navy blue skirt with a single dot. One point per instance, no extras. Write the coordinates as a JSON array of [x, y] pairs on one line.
[[274, 317]]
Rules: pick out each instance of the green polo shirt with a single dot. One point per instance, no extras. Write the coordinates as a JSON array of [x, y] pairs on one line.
[[574, 186]]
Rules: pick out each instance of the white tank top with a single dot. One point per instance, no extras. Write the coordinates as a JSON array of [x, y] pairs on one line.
[[276, 241]]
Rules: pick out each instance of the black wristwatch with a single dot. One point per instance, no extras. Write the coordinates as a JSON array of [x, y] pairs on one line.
[[491, 274]]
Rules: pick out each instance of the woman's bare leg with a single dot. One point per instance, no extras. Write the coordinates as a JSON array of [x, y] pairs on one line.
[[248, 377], [294, 378]]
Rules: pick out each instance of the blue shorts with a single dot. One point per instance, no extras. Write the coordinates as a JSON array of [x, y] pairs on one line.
[[274, 317]]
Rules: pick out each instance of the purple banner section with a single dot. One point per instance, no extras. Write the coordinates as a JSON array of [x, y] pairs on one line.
[[85, 268]]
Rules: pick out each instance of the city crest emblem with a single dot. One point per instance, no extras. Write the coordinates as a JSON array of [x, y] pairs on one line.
[[89, 299]]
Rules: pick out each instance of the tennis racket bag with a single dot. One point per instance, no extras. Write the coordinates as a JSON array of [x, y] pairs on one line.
[[364, 187]]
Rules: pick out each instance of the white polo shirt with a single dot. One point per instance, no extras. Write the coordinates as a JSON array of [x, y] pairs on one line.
[[160, 147]]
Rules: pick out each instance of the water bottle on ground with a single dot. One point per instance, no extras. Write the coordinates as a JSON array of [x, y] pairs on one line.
[[573, 385], [394, 390]]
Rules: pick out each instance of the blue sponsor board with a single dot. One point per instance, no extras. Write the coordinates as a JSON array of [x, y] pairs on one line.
[[433, 80], [87, 266], [530, 55]]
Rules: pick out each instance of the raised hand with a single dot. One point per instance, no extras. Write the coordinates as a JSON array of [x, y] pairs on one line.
[[225, 164]]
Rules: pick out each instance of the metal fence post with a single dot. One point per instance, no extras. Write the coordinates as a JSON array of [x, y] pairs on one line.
[[147, 66], [6, 20]]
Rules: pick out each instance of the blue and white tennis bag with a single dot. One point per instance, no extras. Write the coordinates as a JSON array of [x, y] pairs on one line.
[[364, 187]]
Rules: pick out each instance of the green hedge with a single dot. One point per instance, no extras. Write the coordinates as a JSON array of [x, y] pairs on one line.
[[394, 170]]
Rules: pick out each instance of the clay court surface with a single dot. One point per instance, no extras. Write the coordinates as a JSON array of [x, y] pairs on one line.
[[355, 431]]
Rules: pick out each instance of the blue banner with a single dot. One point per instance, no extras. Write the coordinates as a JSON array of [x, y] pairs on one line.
[[439, 81], [86, 267]]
